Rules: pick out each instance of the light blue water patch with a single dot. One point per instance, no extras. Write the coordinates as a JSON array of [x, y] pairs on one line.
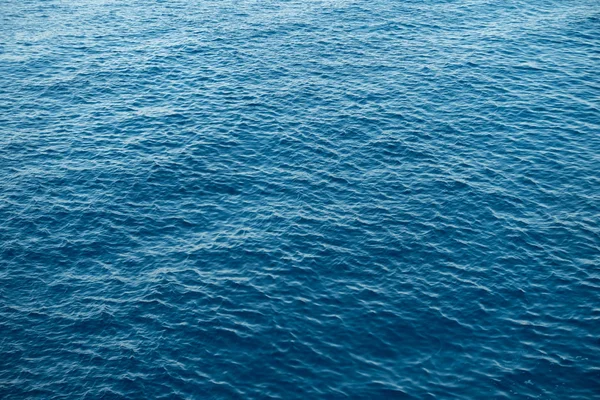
[[300, 199]]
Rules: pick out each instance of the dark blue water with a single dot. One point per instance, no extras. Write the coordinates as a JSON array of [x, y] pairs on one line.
[[300, 199]]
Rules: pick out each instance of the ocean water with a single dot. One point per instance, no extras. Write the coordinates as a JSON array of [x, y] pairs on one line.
[[300, 199]]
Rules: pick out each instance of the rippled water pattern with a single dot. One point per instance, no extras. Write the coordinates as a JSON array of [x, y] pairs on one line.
[[300, 199]]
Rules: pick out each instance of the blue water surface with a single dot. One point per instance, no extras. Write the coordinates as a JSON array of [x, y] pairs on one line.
[[269, 199]]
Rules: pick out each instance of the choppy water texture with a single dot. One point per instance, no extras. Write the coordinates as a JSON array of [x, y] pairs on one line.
[[300, 199]]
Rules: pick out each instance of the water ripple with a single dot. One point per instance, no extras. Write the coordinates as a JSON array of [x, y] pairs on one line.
[[286, 199]]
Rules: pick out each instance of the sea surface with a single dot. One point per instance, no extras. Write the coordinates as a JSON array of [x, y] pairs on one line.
[[316, 199]]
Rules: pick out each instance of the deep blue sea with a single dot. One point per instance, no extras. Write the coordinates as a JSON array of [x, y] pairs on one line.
[[316, 199]]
